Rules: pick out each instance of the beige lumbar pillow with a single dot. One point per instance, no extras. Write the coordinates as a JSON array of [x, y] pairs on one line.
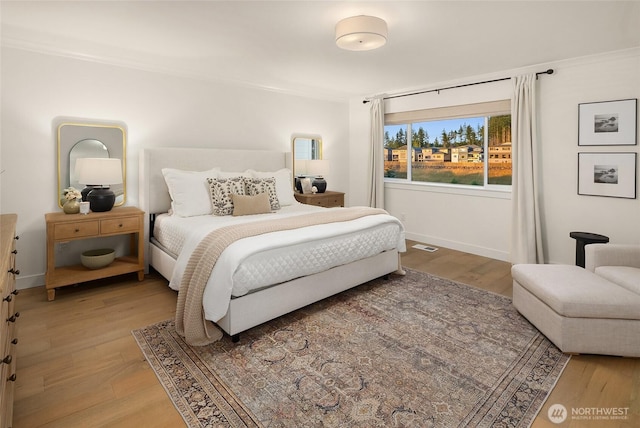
[[245, 205]]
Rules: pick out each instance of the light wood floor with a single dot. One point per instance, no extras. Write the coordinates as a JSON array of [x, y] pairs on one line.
[[79, 366]]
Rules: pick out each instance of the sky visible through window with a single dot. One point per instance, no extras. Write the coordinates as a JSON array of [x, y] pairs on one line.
[[434, 128]]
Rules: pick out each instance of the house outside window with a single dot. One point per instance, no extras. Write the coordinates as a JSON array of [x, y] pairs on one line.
[[462, 145]]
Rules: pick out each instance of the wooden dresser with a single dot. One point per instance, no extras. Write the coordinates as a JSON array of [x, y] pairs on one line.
[[8, 315], [327, 199]]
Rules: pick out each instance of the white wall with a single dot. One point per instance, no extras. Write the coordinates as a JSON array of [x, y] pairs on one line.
[[480, 224], [159, 110], [162, 110], [605, 78]]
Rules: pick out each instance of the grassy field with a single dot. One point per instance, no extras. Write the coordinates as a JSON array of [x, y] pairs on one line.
[[453, 173]]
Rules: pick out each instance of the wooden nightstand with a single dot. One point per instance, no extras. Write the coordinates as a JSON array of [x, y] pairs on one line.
[[327, 199], [63, 227]]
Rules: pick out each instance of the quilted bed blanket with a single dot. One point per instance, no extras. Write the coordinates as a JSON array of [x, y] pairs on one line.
[[190, 317]]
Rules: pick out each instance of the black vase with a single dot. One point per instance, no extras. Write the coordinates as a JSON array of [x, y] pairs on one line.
[[101, 199], [85, 192], [319, 184]]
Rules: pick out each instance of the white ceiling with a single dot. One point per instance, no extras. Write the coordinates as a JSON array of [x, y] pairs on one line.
[[289, 45]]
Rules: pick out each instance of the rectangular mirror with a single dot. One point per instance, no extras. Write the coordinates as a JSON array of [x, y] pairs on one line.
[[89, 140], [305, 148]]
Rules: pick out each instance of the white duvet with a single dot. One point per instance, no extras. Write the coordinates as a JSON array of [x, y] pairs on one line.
[[260, 261]]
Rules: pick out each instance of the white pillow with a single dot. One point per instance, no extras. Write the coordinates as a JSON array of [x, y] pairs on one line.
[[189, 191], [284, 188], [224, 174]]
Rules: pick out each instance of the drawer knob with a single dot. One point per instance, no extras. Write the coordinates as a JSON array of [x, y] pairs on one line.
[[14, 317], [16, 238], [15, 341], [77, 230], [15, 251], [12, 378], [7, 359], [15, 292], [14, 271], [120, 225], [8, 298]]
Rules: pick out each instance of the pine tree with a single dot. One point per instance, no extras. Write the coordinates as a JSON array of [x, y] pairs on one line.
[[420, 138], [499, 129], [446, 140]]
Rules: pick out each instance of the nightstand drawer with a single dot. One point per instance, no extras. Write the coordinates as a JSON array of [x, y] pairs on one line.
[[334, 201], [119, 225], [327, 199], [317, 201], [79, 229]]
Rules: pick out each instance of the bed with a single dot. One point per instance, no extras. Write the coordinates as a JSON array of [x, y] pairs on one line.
[[368, 247]]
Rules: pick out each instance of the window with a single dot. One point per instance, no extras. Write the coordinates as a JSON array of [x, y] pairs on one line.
[[462, 145]]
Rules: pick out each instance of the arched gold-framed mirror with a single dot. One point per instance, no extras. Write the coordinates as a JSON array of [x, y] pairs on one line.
[[89, 140]]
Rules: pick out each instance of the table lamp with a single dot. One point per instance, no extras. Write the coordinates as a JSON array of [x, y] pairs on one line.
[[98, 174], [318, 168]]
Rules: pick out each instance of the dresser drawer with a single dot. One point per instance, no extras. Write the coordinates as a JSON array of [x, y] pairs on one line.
[[76, 230], [8, 317], [5, 308], [119, 225]]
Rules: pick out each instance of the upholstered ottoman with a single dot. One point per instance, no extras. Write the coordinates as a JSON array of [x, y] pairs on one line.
[[579, 311]]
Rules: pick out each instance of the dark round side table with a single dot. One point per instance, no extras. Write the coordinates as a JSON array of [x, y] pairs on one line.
[[585, 238]]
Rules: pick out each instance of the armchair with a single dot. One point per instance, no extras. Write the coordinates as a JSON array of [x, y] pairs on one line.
[[617, 263], [595, 310]]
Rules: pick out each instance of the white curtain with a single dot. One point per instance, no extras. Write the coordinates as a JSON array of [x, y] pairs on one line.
[[526, 234], [376, 165]]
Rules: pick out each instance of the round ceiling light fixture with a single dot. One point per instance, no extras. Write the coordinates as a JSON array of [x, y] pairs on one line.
[[361, 33]]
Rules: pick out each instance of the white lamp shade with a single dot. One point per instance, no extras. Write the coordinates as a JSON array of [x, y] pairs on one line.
[[361, 33], [317, 167], [301, 166], [99, 171]]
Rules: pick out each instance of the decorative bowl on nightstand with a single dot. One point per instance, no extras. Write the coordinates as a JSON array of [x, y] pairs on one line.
[[97, 259]]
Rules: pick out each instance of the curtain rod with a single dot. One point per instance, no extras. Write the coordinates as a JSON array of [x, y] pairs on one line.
[[549, 71]]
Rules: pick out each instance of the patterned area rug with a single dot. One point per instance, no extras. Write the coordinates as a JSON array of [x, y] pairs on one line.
[[412, 351]]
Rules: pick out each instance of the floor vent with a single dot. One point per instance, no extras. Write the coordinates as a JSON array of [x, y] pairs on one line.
[[425, 248]]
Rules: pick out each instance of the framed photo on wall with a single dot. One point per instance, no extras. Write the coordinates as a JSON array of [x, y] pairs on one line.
[[607, 174], [607, 123]]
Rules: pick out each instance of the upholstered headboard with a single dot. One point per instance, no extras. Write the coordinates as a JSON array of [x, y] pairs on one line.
[[153, 192]]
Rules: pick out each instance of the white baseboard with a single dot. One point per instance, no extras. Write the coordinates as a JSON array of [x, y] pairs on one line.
[[460, 246], [30, 281]]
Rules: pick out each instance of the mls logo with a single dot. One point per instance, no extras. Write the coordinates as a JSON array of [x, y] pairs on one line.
[[557, 413]]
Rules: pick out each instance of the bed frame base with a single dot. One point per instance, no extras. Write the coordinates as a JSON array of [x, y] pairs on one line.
[[264, 305], [261, 306], [161, 261], [235, 338]]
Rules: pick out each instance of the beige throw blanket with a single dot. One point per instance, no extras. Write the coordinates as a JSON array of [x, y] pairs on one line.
[[190, 320]]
